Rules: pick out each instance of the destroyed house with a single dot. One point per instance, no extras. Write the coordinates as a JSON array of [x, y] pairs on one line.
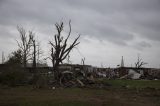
[[133, 73], [75, 68]]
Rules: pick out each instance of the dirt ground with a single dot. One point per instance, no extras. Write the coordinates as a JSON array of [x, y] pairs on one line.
[[27, 96]]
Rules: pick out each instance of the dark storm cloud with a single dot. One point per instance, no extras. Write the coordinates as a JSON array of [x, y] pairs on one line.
[[132, 16], [91, 17]]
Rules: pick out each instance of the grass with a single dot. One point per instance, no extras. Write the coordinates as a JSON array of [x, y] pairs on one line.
[[133, 83], [112, 96]]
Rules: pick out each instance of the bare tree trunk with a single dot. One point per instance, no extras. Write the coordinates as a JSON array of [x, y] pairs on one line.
[[60, 49], [24, 60], [34, 55]]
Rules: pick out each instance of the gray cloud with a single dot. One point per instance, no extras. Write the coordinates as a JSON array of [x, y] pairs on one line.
[[119, 22], [144, 44]]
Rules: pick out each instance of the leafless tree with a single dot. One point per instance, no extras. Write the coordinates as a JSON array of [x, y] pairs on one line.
[[25, 43], [68, 60], [139, 63], [60, 48], [34, 52], [3, 58], [37, 52], [83, 61]]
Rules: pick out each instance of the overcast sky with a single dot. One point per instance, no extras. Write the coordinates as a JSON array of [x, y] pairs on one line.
[[109, 29]]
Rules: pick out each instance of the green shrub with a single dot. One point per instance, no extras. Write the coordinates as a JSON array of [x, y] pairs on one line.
[[13, 77]]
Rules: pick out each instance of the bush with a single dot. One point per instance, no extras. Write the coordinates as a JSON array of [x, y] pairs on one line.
[[39, 81], [13, 76], [12, 73]]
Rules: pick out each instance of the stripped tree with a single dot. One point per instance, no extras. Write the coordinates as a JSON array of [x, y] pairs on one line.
[[34, 52], [60, 48], [83, 61], [25, 44], [37, 52], [139, 63]]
